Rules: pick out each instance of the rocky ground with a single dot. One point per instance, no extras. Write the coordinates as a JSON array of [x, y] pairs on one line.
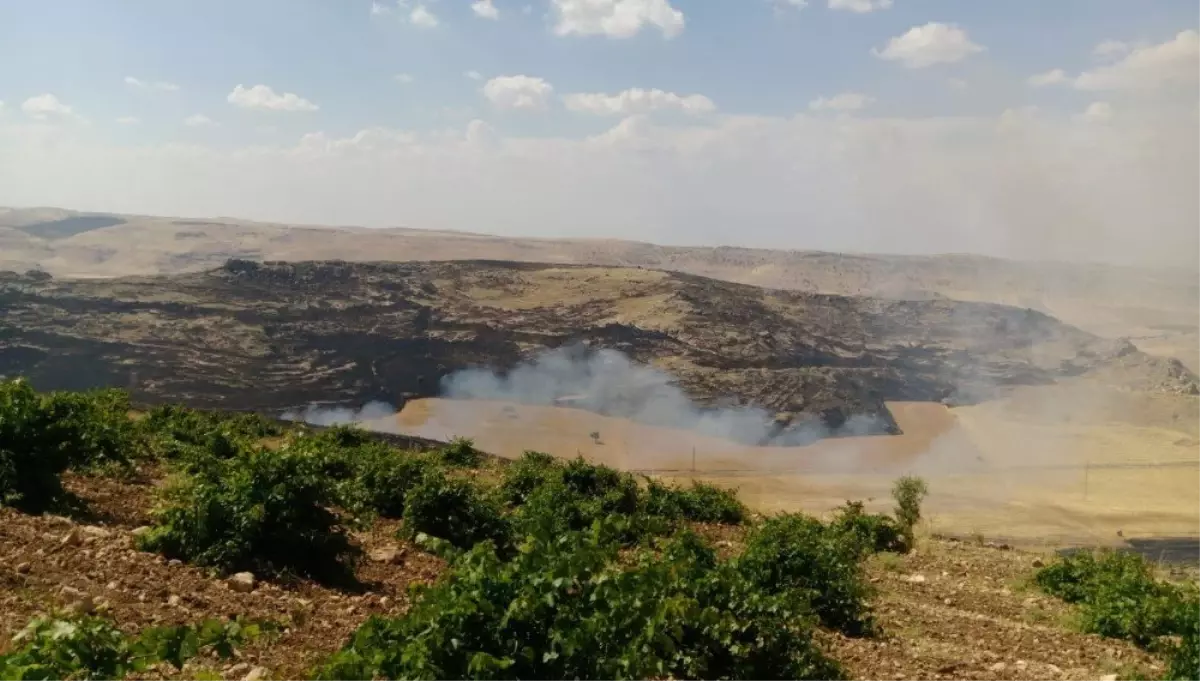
[[950, 610], [284, 335]]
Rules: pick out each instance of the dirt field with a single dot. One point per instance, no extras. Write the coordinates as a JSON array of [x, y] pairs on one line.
[[1014, 469]]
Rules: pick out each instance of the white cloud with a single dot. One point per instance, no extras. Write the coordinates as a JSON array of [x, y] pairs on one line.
[[198, 121], [379, 9], [859, 6], [473, 75], [485, 9], [517, 92], [846, 101], [421, 17], [129, 120], [1097, 112], [1032, 185], [637, 101], [405, 78], [45, 107], [933, 43], [1174, 62], [1110, 49], [264, 98], [161, 86], [798, 4], [1051, 77], [616, 18]]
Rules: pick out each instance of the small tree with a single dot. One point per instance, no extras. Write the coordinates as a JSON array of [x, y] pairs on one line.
[[909, 492]]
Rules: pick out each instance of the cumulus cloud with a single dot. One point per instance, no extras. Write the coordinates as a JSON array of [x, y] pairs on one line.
[[263, 98], [421, 17], [637, 101], [1110, 48], [859, 6], [46, 107], [485, 9], [1097, 112], [1051, 77], [473, 75], [846, 101], [1174, 62], [1030, 184], [198, 121], [161, 86], [616, 18], [924, 46], [517, 92]]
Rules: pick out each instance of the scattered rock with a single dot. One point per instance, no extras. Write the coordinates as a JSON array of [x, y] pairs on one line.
[[237, 671], [388, 554], [242, 582], [1108, 677], [948, 601], [256, 674], [174, 601], [915, 579], [23, 568], [174, 562], [997, 667], [113, 585], [139, 531], [71, 538], [1038, 562], [84, 605], [385, 602], [1054, 669], [95, 532]]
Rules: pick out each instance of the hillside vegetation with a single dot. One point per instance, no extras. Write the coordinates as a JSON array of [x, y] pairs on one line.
[[537, 568]]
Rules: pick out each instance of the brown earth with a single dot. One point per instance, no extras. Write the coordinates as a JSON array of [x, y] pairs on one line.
[[971, 616], [1158, 309], [286, 335]]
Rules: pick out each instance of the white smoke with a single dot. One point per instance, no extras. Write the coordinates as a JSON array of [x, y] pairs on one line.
[[607, 382]]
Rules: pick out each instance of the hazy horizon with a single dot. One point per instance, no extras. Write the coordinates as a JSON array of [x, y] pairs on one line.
[[1067, 131]]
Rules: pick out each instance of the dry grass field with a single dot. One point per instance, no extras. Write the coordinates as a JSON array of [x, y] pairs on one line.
[[1014, 469]]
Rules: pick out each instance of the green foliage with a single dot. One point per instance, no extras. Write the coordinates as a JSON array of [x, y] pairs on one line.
[[526, 474], [41, 435], [461, 452], [1183, 660], [701, 502], [875, 533], [909, 492], [565, 607], [455, 510], [182, 434], [93, 648], [795, 552], [1119, 595], [260, 510]]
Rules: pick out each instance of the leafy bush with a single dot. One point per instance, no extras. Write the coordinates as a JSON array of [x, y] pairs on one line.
[[909, 492], [1119, 595], [565, 608], [701, 502], [41, 435], [526, 474], [876, 533], [259, 510], [93, 648], [461, 452], [454, 510], [795, 552], [176, 428]]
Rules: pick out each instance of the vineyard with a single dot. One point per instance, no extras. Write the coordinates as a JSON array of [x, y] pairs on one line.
[[270, 550]]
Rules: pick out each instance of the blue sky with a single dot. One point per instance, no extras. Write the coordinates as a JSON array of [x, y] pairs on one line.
[[132, 72]]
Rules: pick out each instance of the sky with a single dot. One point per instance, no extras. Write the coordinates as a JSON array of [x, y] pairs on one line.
[[1035, 129]]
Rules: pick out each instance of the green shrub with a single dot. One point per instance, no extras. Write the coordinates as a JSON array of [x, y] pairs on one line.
[[41, 435], [876, 533], [461, 452], [526, 474], [260, 510], [564, 607], [1119, 595], [454, 510], [701, 502], [93, 648], [177, 429], [1183, 660], [795, 552], [909, 492]]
